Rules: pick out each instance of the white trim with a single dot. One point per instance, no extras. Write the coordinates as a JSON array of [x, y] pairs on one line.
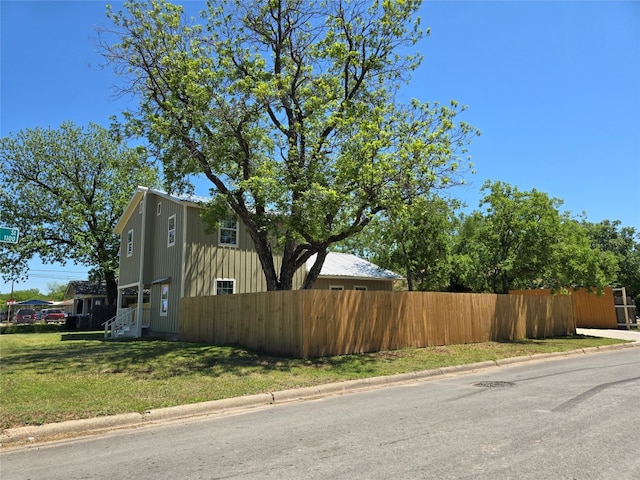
[[164, 308], [159, 209], [128, 285], [169, 243], [232, 245], [130, 243], [232, 280], [360, 288], [336, 287], [345, 278], [184, 249], [140, 193], [139, 311]]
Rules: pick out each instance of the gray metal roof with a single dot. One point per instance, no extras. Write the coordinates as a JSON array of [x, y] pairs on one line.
[[348, 265]]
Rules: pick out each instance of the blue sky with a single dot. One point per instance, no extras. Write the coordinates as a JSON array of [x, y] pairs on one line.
[[553, 86]]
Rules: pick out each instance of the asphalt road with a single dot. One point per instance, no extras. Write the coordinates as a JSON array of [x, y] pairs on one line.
[[573, 418]]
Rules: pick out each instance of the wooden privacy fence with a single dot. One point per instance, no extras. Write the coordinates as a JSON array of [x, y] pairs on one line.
[[590, 310], [315, 323]]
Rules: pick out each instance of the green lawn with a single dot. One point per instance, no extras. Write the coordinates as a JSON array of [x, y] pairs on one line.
[[52, 377]]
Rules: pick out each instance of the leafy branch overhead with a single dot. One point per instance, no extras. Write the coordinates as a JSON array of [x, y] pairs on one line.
[[289, 108]]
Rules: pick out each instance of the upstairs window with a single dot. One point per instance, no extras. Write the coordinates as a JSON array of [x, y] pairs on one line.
[[225, 286], [129, 243], [229, 232], [171, 231]]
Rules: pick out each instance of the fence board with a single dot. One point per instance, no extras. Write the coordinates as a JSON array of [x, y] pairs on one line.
[[315, 323], [589, 309]]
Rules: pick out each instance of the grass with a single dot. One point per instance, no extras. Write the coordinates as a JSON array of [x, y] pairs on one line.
[[52, 377]]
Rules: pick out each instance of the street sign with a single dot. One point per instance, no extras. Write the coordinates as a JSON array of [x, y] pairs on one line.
[[9, 234]]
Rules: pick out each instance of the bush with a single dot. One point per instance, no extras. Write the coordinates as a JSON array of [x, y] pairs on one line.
[[30, 328]]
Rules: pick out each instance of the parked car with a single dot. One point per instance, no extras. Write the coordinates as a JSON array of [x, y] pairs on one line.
[[26, 315], [52, 315]]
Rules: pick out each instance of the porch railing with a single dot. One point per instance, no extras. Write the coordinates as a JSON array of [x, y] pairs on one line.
[[122, 325]]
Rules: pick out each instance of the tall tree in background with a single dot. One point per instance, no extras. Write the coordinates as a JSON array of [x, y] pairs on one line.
[[415, 241], [515, 238], [288, 108], [521, 240], [65, 189], [624, 243], [576, 262]]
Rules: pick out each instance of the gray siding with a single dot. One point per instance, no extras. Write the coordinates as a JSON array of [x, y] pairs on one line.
[[163, 264], [130, 266], [206, 261]]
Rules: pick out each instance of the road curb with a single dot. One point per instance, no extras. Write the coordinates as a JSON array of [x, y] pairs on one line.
[[74, 428]]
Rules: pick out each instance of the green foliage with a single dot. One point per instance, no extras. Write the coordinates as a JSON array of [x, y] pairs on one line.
[[519, 240], [288, 108], [522, 241], [56, 291], [415, 241], [30, 328], [624, 244], [20, 296], [65, 189], [576, 262]]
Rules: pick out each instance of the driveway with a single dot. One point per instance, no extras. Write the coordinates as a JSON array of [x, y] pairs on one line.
[[633, 335]]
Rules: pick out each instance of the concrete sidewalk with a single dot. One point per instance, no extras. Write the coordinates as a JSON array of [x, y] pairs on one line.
[[34, 435], [633, 335]]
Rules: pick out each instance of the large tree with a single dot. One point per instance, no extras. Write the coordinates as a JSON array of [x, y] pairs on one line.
[[65, 189], [521, 240], [289, 109]]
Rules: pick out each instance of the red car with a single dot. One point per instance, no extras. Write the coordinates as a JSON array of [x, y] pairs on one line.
[[53, 315], [25, 315]]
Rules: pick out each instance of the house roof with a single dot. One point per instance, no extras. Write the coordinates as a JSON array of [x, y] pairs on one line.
[[348, 265], [192, 200], [33, 302], [83, 287], [77, 288]]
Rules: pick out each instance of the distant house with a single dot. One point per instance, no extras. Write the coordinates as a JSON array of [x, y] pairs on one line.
[[165, 250], [86, 301], [343, 271], [85, 295]]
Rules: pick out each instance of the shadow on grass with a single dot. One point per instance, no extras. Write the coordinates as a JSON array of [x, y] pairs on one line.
[[82, 336], [542, 341], [87, 353]]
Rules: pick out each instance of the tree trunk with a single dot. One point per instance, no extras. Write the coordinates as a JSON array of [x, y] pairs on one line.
[[313, 273], [112, 286]]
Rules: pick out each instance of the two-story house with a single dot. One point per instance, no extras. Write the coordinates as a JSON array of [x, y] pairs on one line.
[[165, 254]]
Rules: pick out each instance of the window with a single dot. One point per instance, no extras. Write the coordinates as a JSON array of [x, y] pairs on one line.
[[159, 209], [225, 286], [336, 287], [171, 231], [129, 243], [360, 288], [140, 207], [229, 232], [164, 300]]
